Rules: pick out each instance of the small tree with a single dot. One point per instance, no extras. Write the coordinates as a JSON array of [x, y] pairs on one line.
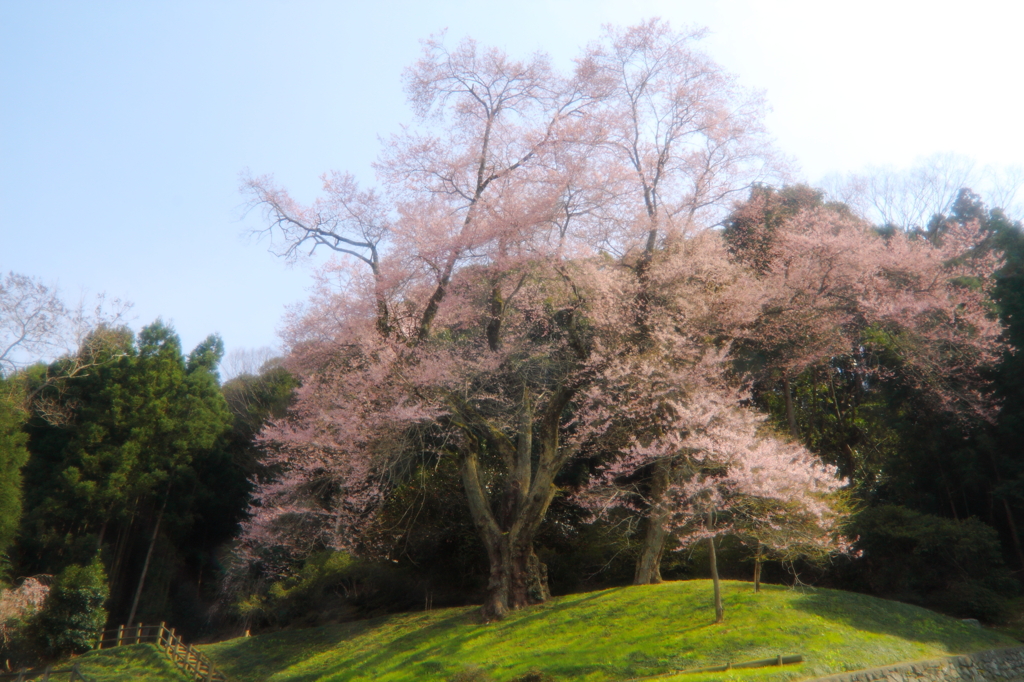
[[763, 488], [73, 613], [731, 477]]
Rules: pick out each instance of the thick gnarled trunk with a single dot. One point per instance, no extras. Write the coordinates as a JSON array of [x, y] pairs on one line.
[[509, 522], [517, 577], [648, 564]]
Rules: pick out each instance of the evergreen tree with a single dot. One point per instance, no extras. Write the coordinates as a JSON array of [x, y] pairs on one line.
[[122, 473]]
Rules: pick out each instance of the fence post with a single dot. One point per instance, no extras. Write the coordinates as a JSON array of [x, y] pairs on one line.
[[75, 673], [120, 634], [46, 673], [160, 635]]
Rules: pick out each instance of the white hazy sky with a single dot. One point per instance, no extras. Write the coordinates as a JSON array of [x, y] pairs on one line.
[[124, 125]]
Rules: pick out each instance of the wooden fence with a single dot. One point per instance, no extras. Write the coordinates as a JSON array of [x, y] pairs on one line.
[[189, 660], [763, 663], [47, 674]]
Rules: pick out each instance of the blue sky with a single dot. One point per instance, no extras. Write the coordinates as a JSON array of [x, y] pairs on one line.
[[124, 125]]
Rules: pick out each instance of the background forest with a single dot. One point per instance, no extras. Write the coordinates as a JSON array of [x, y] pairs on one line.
[[587, 333]]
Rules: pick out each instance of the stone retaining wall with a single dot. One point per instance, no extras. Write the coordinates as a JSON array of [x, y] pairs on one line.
[[997, 665]]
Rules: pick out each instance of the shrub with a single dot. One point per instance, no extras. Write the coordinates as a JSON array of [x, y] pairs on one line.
[[331, 587], [73, 615]]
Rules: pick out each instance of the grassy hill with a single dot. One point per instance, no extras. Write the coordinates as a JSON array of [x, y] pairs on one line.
[[616, 634], [129, 664]]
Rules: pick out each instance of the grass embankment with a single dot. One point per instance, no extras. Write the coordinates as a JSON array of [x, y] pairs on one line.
[[129, 664], [616, 634]]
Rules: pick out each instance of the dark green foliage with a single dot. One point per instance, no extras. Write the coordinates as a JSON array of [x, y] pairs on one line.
[[333, 587], [255, 399], [843, 417], [955, 565], [145, 425], [73, 615], [1006, 459], [13, 455]]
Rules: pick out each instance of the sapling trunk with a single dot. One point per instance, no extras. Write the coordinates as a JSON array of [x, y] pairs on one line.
[[719, 610], [790, 411], [757, 569]]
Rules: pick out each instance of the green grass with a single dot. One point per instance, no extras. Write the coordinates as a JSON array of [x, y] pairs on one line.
[[128, 664], [614, 635]]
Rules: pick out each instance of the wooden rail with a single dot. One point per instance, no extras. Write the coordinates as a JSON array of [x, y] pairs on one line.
[[763, 663], [186, 658], [47, 674]]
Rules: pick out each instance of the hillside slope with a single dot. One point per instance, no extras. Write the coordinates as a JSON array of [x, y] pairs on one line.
[[614, 634], [129, 664]]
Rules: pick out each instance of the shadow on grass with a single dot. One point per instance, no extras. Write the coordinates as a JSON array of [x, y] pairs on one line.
[[259, 657], [422, 647], [913, 623], [410, 647]]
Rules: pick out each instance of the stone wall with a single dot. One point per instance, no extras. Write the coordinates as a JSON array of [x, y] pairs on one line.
[[997, 665]]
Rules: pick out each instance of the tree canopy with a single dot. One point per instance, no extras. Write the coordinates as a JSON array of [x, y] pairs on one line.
[[538, 281]]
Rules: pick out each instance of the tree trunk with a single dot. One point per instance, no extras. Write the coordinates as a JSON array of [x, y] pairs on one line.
[[719, 610], [648, 564], [99, 538], [517, 577], [1013, 533], [790, 411], [145, 564], [499, 589], [508, 528]]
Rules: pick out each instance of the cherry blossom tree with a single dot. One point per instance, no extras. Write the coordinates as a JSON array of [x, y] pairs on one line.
[[827, 285], [758, 487], [467, 233], [687, 141], [502, 283], [725, 472], [834, 286]]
